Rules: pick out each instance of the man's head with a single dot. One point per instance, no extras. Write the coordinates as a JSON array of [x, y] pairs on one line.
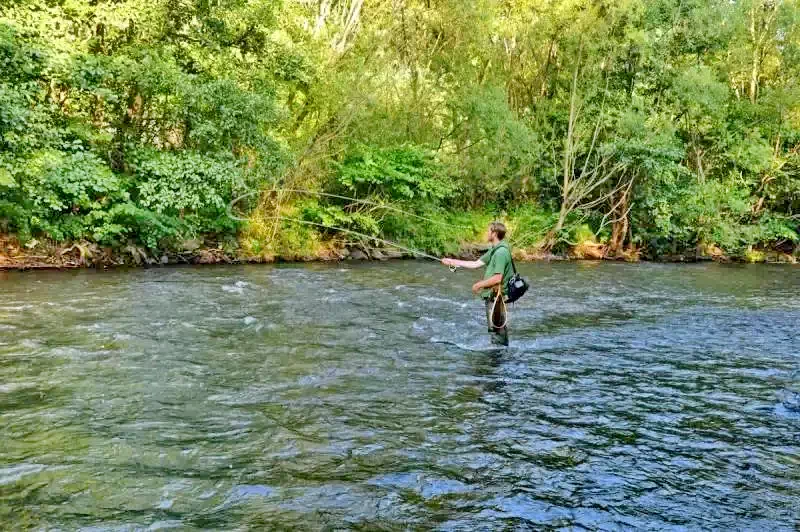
[[496, 232]]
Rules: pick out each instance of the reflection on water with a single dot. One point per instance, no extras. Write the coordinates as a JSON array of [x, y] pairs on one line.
[[368, 396]]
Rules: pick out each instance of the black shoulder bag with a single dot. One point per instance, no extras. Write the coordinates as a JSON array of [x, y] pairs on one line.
[[516, 286]]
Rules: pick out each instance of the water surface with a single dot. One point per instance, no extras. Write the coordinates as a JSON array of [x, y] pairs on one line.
[[367, 396]]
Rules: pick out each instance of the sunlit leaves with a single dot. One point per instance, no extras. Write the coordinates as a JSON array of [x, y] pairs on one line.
[[399, 174]]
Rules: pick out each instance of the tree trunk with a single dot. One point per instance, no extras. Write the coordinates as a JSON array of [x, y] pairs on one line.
[[568, 163], [546, 68], [754, 74], [620, 225], [350, 25], [762, 19], [324, 11]]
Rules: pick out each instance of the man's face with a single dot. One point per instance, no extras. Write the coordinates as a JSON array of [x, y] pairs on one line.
[[490, 235]]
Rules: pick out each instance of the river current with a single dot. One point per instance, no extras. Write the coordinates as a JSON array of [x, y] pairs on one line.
[[368, 396]]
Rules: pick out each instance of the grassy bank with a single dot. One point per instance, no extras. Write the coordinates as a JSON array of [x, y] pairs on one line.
[[291, 237]]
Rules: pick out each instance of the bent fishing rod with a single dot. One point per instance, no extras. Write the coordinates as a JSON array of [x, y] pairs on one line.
[[342, 229], [354, 200]]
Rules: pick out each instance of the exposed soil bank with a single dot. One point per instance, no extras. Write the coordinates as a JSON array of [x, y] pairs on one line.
[[48, 255]]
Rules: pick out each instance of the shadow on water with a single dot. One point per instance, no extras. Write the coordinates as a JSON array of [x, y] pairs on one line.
[[367, 396]]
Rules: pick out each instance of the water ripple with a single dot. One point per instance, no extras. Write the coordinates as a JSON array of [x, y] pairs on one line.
[[317, 397]]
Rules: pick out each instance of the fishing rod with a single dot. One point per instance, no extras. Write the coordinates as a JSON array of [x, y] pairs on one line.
[[340, 229], [364, 235], [354, 200], [373, 203]]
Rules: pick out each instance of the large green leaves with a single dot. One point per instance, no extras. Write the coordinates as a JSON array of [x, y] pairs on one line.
[[399, 174]]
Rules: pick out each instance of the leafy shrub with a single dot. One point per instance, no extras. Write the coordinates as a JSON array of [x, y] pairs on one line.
[[528, 224], [582, 233], [19, 62], [335, 216], [127, 221], [492, 150], [77, 182], [220, 115], [15, 218], [187, 183], [708, 212], [773, 228], [407, 174], [439, 232]]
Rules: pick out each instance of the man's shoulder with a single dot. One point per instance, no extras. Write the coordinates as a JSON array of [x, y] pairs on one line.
[[504, 250], [500, 251]]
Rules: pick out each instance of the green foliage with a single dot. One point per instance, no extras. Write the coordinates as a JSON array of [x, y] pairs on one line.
[[114, 138], [14, 218], [76, 182], [530, 223], [18, 62], [407, 174], [221, 115], [712, 212], [495, 152], [334, 216], [138, 121], [185, 182], [582, 233], [773, 229], [126, 220], [441, 232]]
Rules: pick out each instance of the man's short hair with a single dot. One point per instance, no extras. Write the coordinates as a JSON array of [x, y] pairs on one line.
[[498, 228]]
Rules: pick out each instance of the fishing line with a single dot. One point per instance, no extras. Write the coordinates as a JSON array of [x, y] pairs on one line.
[[354, 200], [374, 203], [363, 235], [342, 229]]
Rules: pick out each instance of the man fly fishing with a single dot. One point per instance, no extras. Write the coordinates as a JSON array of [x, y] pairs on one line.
[[494, 285], [501, 283]]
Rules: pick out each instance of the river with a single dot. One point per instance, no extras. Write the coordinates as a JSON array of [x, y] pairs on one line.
[[367, 396]]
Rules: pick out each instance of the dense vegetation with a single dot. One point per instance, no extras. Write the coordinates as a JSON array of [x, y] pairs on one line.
[[653, 125]]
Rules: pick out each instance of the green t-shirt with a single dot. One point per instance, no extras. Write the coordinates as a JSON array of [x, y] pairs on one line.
[[497, 260]]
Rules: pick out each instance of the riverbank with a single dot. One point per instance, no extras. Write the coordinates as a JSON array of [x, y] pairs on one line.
[[38, 254]]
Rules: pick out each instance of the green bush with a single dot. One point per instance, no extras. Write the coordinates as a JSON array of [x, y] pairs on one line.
[[335, 216], [76, 182], [126, 221], [530, 223], [440, 232], [406, 174], [194, 187]]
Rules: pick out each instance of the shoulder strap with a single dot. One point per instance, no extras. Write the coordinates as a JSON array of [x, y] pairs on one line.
[[513, 266], [510, 255]]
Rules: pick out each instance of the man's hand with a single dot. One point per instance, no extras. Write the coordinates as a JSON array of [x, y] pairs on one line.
[[476, 288]]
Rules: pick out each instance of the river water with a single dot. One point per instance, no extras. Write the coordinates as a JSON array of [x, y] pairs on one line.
[[367, 396]]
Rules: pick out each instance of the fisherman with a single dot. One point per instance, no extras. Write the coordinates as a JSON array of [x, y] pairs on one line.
[[498, 270]]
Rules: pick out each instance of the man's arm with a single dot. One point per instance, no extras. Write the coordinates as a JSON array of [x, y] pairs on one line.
[[468, 264], [491, 282]]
